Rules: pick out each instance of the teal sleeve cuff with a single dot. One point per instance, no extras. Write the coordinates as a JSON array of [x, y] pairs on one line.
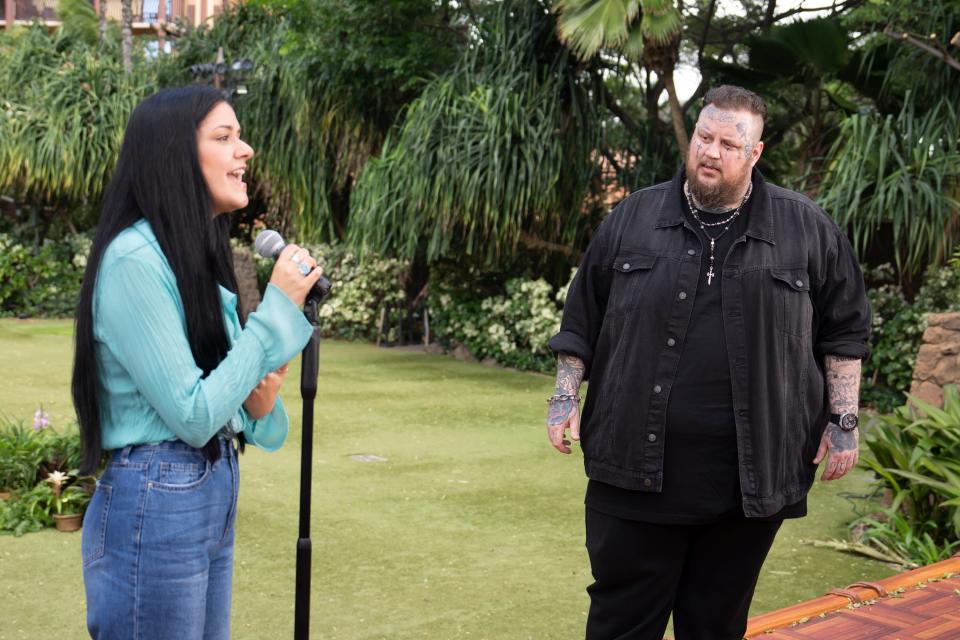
[[280, 327], [269, 432]]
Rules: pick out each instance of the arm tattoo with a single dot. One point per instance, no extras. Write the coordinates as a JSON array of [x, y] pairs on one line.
[[843, 383], [570, 370]]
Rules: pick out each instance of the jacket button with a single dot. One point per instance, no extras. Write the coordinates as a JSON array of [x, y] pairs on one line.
[[671, 342], [626, 265], [682, 295], [691, 252], [652, 437], [657, 388], [647, 482], [799, 283]]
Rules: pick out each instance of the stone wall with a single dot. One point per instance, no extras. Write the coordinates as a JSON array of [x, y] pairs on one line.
[[246, 274], [938, 362]]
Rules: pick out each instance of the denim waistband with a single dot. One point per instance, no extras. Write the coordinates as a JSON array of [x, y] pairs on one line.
[[139, 452]]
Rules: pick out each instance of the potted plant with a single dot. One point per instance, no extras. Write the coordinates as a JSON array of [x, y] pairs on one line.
[[68, 502]]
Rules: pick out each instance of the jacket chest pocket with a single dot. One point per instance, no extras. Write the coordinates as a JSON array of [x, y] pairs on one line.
[[795, 307], [631, 274]]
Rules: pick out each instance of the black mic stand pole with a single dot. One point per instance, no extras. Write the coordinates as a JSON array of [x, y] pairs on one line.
[[309, 368]]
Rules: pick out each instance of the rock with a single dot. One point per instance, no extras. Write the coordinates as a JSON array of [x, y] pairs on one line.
[[460, 352], [246, 272], [490, 362], [938, 363]]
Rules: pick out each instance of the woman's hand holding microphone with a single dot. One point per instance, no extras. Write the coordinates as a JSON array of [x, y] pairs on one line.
[[295, 273]]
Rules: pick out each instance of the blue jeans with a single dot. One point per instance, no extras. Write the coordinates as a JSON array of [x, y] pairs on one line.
[[158, 544]]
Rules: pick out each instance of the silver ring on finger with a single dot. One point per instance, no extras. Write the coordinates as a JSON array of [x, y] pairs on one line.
[[295, 258], [303, 268]]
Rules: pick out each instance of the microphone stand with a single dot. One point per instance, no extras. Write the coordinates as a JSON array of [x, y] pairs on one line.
[[309, 369]]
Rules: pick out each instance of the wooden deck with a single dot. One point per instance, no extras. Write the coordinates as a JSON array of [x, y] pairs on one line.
[[923, 604]]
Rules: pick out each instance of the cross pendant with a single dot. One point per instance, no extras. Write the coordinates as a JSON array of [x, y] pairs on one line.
[[710, 275]]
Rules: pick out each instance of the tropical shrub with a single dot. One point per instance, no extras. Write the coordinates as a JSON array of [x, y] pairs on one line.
[[512, 327], [38, 467], [21, 454], [915, 454], [27, 512], [358, 289], [44, 280]]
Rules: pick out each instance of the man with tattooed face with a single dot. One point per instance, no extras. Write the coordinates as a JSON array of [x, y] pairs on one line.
[[721, 322]]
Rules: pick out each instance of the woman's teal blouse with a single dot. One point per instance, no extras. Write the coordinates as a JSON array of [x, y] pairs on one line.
[[152, 389]]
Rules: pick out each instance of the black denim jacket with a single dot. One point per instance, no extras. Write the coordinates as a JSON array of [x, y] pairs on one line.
[[792, 292]]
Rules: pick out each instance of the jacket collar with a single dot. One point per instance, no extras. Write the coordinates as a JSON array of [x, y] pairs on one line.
[[760, 225]]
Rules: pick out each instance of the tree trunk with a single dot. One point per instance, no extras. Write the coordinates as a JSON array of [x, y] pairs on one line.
[[126, 31], [102, 21], [676, 114]]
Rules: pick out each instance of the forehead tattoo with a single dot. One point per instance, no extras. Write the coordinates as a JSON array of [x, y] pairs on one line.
[[742, 125]]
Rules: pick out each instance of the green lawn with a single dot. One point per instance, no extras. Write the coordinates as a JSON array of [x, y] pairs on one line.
[[471, 528]]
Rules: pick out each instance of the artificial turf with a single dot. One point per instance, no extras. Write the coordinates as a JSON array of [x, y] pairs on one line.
[[471, 525]]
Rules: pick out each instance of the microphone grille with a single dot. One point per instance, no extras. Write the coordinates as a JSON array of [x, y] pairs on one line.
[[269, 243]]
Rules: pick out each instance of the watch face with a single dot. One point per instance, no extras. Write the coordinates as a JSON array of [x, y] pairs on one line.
[[849, 421]]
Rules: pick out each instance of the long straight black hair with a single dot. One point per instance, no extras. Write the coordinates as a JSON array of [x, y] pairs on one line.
[[158, 177]]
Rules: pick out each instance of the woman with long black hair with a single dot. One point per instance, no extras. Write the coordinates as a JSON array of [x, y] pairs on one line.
[[166, 377]]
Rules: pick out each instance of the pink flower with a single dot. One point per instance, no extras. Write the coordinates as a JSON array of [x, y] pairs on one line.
[[40, 419]]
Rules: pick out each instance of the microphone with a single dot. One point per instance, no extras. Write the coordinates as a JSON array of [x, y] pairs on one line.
[[269, 244]]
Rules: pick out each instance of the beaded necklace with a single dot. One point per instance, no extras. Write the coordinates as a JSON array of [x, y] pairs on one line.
[[724, 223]]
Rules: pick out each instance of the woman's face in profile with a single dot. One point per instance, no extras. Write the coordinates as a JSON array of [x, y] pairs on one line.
[[223, 159]]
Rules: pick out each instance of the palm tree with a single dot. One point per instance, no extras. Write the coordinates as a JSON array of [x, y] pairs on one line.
[[646, 31], [126, 34]]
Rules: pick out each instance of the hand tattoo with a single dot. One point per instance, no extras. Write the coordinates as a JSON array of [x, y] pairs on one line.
[[561, 411], [840, 441]]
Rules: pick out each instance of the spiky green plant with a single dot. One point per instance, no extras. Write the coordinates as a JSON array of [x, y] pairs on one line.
[[496, 150], [900, 170], [63, 110]]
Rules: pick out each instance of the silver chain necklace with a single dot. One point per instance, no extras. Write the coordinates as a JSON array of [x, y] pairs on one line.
[[703, 225]]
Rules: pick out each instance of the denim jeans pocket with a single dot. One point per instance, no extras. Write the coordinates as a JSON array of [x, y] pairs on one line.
[[94, 532], [182, 476]]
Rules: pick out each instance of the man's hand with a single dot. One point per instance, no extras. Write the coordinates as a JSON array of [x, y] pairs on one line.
[[843, 390], [564, 411], [842, 449], [563, 414], [261, 400]]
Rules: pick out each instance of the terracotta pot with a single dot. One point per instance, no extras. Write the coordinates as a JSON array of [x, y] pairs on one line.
[[68, 522]]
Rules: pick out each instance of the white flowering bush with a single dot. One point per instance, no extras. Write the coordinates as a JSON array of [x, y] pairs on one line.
[[359, 289], [41, 281], [513, 327]]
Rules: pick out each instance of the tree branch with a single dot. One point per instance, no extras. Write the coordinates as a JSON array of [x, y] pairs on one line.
[[768, 16], [706, 29], [936, 52], [533, 242], [618, 110], [699, 93]]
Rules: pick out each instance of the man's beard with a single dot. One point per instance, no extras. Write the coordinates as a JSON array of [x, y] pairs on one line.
[[722, 195]]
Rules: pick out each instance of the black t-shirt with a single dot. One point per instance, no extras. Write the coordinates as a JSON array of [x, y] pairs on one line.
[[700, 468]]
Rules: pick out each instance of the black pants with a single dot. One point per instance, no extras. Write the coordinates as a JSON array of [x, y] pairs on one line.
[[704, 574]]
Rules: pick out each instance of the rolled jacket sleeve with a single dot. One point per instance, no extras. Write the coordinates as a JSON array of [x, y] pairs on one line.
[[140, 320], [842, 304], [586, 303]]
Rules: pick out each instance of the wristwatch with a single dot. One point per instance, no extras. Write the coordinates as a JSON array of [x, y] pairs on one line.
[[846, 421]]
